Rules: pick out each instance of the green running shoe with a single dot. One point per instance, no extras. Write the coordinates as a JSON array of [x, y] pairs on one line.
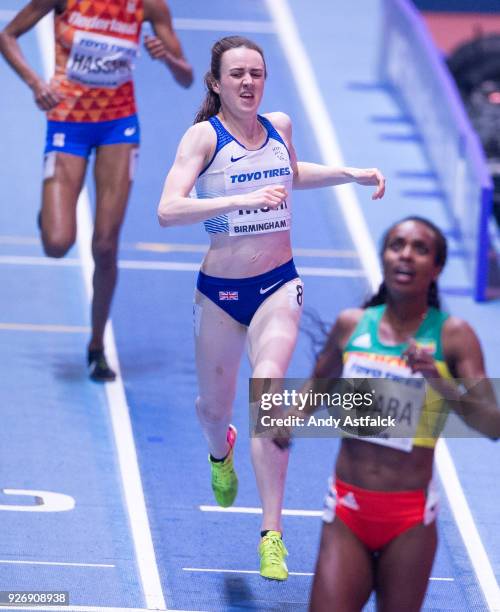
[[224, 479], [272, 557]]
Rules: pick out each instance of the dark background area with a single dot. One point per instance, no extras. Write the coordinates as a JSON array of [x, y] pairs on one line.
[[458, 6]]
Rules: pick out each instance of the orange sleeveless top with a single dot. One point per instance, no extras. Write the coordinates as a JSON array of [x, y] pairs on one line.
[[96, 46]]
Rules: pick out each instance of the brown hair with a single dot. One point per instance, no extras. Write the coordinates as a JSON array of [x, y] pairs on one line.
[[211, 103]]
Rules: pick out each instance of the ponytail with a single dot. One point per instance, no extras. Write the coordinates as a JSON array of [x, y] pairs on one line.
[[433, 299], [211, 104], [378, 298]]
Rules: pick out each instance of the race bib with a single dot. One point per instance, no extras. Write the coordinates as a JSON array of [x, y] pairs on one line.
[[96, 60], [399, 396], [262, 220]]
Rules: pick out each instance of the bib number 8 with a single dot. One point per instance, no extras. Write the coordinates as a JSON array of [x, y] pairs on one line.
[[300, 293]]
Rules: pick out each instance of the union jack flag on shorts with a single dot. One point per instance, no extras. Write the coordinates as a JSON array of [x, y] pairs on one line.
[[228, 295]]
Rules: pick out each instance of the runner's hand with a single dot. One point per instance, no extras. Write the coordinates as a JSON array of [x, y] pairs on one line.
[[271, 196], [282, 436], [45, 97], [421, 360], [155, 47], [180, 68], [371, 176]]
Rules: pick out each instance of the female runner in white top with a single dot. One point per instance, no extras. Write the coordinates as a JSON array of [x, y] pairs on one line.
[[243, 167]]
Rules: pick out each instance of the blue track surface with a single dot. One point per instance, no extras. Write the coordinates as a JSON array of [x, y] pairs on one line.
[[57, 434]]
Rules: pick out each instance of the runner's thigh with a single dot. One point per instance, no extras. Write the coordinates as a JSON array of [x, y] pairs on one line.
[[113, 177], [219, 344], [64, 175], [273, 331]]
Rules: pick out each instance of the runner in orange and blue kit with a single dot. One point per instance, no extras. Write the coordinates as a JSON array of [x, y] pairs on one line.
[[90, 105]]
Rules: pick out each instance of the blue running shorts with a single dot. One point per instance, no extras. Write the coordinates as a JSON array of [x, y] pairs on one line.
[[79, 138], [241, 297]]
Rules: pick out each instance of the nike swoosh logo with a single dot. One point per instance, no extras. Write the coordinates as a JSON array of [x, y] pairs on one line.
[[235, 159], [263, 291]]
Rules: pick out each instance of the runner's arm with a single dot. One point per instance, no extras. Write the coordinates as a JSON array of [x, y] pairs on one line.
[[165, 45], [28, 17], [307, 175], [478, 405], [471, 394], [311, 175]]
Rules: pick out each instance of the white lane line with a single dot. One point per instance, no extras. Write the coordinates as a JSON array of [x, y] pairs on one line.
[[341, 253], [120, 418], [175, 247], [319, 119], [338, 272], [467, 527], [312, 101], [71, 262], [172, 266], [225, 25], [27, 260], [249, 510], [172, 247], [24, 240], [233, 571], [58, 563], [35, 327], [168, 247]]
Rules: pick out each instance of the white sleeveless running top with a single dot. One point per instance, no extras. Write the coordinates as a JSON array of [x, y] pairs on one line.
[[235, 169]]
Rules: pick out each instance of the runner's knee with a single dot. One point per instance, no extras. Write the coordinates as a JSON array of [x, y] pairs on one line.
[[268, 369], [56, 246], [104, 252]]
